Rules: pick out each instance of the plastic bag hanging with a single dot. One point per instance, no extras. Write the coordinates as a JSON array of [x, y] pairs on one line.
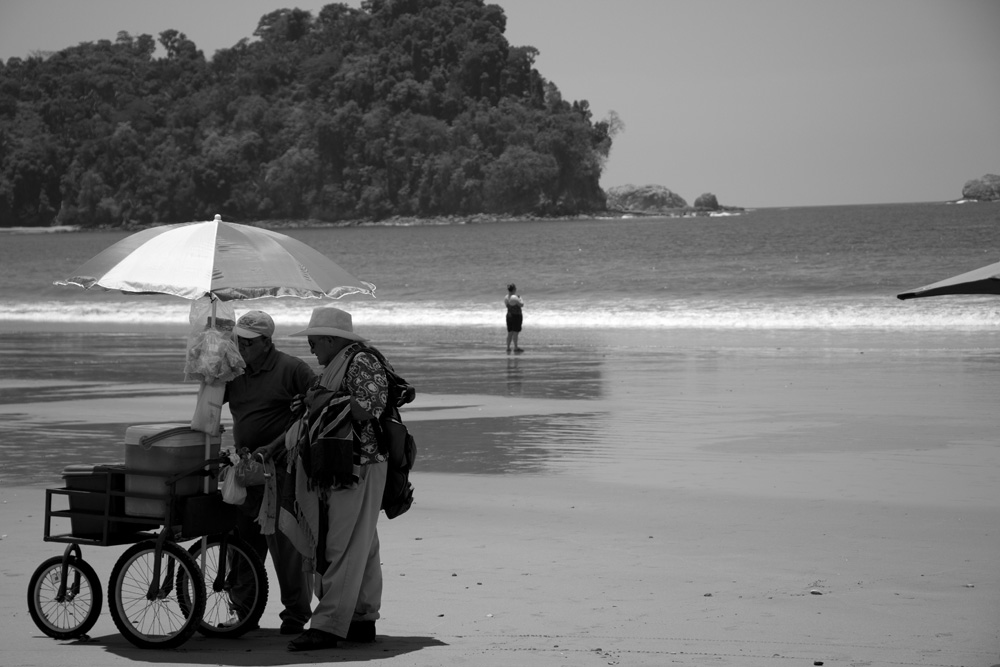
[[233, 492], [213, 355]]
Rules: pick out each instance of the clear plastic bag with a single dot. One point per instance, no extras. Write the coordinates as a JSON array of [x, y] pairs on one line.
[[213, 355], [233, 492]]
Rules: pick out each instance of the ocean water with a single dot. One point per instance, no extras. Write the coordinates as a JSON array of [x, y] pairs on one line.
[[653, 344], [806, 268]]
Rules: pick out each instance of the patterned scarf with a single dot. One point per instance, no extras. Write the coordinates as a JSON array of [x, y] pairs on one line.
[[299, 517]]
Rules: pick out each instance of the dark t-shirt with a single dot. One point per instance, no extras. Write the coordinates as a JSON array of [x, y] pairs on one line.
[[259, 399]]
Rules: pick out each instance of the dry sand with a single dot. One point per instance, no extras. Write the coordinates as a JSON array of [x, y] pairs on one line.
[[797, 507], [500, 571]]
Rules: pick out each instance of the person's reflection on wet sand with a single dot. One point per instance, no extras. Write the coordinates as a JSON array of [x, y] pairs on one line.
[[515, 377]]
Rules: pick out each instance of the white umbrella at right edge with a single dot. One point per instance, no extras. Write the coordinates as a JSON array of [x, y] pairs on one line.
[[984, 280]]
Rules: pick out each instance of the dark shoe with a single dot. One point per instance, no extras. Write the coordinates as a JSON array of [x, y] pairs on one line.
[[313, 640], [291, 628], [361, 631]]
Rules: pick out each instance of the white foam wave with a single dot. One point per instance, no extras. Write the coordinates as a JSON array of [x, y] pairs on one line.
[[678, 314]]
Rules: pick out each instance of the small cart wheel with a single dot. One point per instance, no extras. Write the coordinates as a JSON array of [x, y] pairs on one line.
[[235, 586], [144, 600], [64, 611]]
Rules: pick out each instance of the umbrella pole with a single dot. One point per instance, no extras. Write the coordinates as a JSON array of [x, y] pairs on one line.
[[208, 454], [208, 436]]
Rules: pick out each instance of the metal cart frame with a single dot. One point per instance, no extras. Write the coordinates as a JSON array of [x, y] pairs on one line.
[[159, 594]]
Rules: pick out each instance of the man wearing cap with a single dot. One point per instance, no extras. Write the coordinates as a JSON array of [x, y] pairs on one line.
[[260, 401], [349, 585]]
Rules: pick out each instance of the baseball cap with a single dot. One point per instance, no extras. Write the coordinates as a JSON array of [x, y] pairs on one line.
[[253, 324]]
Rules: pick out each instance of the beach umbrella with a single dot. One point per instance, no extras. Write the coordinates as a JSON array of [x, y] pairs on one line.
[[985, 280], [220, 260]]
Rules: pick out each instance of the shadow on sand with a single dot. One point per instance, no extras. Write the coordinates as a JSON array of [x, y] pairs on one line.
[[261, 648]]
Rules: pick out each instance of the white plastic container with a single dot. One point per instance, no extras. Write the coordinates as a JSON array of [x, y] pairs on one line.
[[164, 449]]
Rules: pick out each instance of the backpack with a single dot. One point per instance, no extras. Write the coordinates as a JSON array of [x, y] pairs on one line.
[[395, 439]]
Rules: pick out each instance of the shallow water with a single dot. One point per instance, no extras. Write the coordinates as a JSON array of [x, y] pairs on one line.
[[639, 408]]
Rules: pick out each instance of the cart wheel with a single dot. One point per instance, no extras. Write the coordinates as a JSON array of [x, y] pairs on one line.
[[73, 613], [148, 611], [236, 595]]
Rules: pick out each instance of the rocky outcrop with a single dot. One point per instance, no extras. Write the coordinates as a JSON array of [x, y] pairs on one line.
[[643, 199], [986, 188], [707, 202]]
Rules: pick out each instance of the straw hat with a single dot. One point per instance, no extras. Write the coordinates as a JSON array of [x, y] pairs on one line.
[[330, 322]]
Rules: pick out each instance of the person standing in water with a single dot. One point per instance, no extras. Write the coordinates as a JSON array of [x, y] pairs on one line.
[[514, 304]]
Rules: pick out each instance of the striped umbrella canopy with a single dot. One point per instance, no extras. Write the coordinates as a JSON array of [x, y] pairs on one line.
[[221, 260]]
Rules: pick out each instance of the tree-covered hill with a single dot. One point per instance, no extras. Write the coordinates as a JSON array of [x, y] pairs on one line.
[[401, 107]]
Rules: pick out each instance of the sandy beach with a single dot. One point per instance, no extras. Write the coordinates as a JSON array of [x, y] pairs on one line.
[[751, 498]]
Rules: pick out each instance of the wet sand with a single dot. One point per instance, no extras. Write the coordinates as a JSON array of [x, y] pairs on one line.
[[741, 499]]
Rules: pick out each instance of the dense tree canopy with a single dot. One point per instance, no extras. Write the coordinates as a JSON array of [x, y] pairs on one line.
[[401, 107]]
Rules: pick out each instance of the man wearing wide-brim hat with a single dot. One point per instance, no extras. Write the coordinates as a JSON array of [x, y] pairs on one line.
[[349, 587]]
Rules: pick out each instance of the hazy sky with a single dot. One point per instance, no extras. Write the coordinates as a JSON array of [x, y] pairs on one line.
[[761, 102]]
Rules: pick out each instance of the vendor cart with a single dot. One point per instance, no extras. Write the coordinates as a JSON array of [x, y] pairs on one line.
[[159, 593]]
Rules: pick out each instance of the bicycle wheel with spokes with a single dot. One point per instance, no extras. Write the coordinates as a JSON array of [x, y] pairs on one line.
[[64, 612], [144, 599], [235, 587]]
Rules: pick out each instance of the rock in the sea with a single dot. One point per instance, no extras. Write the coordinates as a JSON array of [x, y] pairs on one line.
[[986, 188], [707, 201], [644, 198]]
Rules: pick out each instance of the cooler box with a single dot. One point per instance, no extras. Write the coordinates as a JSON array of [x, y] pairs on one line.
[[164, 449]]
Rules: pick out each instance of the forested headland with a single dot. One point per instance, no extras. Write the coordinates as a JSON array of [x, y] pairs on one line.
[[400, 108]]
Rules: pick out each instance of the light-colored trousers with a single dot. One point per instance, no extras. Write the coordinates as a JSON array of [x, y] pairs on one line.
[[351, 587]]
